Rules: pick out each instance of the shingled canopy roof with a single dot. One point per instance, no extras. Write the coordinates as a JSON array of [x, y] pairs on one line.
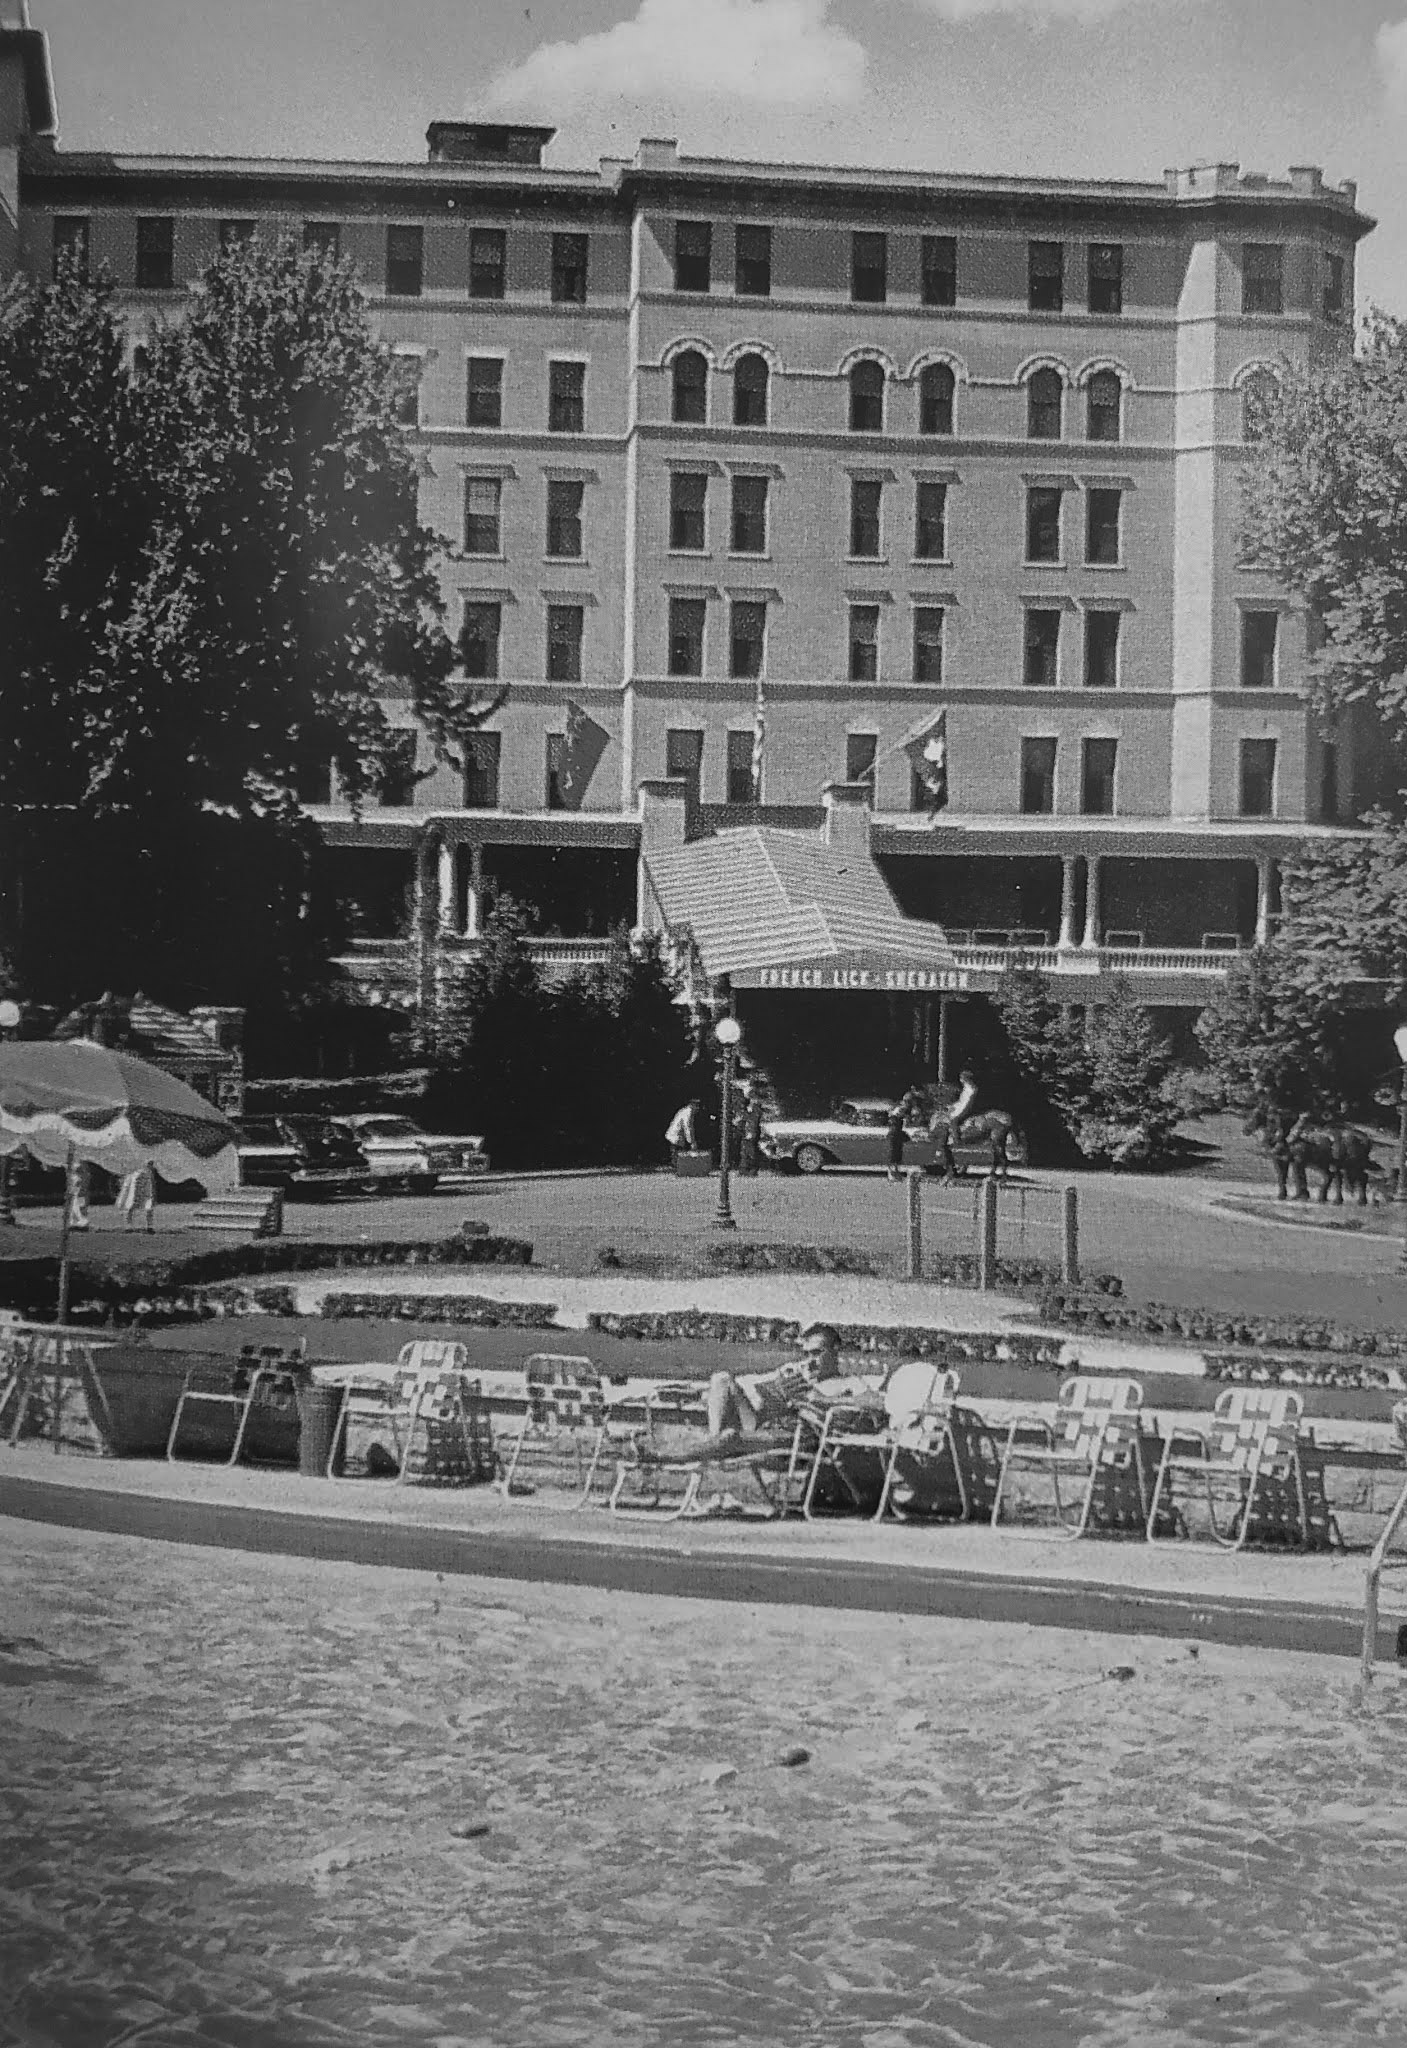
[[764, 897]]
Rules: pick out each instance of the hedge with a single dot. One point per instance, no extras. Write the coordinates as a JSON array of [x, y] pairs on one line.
[[478, 1310], [1077, 1310]]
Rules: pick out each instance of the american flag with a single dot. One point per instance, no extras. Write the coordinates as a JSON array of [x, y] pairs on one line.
[[929, 754]]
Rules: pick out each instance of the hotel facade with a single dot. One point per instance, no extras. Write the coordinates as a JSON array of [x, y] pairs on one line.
[[746, 473]]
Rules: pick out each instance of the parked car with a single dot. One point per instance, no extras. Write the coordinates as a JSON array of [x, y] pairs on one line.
[[401, 1154], [303, 1155], [857, 1134]]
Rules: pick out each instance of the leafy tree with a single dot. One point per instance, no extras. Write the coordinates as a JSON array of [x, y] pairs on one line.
[[1267, 1033], [1044, 1065], [1326, 509], [212, 572], [1127, 1117]]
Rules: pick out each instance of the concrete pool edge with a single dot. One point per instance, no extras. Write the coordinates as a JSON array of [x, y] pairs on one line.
[[740, 1573]]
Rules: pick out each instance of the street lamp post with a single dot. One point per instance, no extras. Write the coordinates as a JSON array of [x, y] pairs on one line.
[[727, 1031], [9, 1025]]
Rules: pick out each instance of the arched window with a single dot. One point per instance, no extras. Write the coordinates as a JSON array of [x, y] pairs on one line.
[[1259, 392], [935, 399], [1104, 407], [690, 388], [750, 376], [1044, 395], [867, 398]]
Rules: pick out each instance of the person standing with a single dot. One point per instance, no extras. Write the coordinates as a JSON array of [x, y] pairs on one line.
[[895, 1133], [138, 1191], [76, 1195], [682, 1134], [751, 1133]]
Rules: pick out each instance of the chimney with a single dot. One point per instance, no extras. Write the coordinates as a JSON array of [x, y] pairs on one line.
[[669, 814], [847, 820], [483, 142]]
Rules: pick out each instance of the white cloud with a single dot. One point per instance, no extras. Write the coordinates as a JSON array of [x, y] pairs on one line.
[[775, 52], [1036, 10], [1391, 48]]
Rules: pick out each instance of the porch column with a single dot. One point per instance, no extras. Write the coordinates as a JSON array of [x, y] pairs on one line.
[[943, 1038], [1265, 885], [448, 891], [474, 907], [1067, 901], [1092, 916]]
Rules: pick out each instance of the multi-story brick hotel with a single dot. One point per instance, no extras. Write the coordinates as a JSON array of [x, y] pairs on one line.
[[715, 444]]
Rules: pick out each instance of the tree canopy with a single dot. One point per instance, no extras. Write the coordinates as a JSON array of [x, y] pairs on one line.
[[1326, 510], [212, 577]]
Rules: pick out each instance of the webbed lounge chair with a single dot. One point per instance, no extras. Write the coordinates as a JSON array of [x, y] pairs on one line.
[[1093, 1445], [1251, 1457]]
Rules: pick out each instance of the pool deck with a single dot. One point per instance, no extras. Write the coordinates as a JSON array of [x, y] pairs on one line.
[[1122, 1586]]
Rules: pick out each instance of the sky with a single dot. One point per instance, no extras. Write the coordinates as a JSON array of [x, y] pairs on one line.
[[1107, 88]]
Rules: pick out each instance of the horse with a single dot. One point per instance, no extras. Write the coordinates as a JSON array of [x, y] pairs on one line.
[[1340, 1152], [997, 1126]]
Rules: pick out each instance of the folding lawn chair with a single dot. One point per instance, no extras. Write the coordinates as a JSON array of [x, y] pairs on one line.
[[1251, 1454], [238, 1384], [565, 1423], [431, 1354], [911, 1413], [447, 1442], [1094, 1444], [651, 1481]]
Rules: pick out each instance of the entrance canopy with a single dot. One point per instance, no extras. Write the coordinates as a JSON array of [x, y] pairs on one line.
[[776, 908]]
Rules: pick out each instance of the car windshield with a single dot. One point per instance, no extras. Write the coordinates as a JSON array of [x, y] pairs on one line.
[[386, 1127]]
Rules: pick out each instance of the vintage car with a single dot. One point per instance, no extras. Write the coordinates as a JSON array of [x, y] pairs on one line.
[[302, 1155], [857, 1134], [400, 1154]]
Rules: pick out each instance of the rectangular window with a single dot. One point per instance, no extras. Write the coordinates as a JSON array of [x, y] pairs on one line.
[[1045, 277], [869, 280], [749, 530], [1041, 659], [569, 260], [564, 502], [405, 262], [1043, 523], [864, 643], [1102, 650], [1257, 778], [483, 503], [556, 751], [688, 505], [683, 757], [395, 783], [564, 627], [686, 635], [156, 245], [752, 276], [930, 521], [484, 400], [566, 398], [488, 262], [1106, 277], [72, 239], [928, 643], [483, 757], [693, 255], [236, 234], [1333, 287], [324, 237], [1037, 777], [740, 789], [479, 639], [747, 633], [860, 751], [864, 517], [1260, 634], [1102, 526], [1329, 782], [406, 371], [1262, 277], [938, 277], [1099, 765]]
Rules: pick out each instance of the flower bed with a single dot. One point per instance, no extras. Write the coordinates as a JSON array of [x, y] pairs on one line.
[[478, 1310], [1077, 1310], [717, 1326]]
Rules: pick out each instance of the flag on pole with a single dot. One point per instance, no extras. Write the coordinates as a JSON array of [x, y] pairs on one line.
[[583, 744], [928, 752], [759, 741]]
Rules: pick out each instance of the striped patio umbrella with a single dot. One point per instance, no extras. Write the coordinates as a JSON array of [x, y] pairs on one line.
[[65, 1101]]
